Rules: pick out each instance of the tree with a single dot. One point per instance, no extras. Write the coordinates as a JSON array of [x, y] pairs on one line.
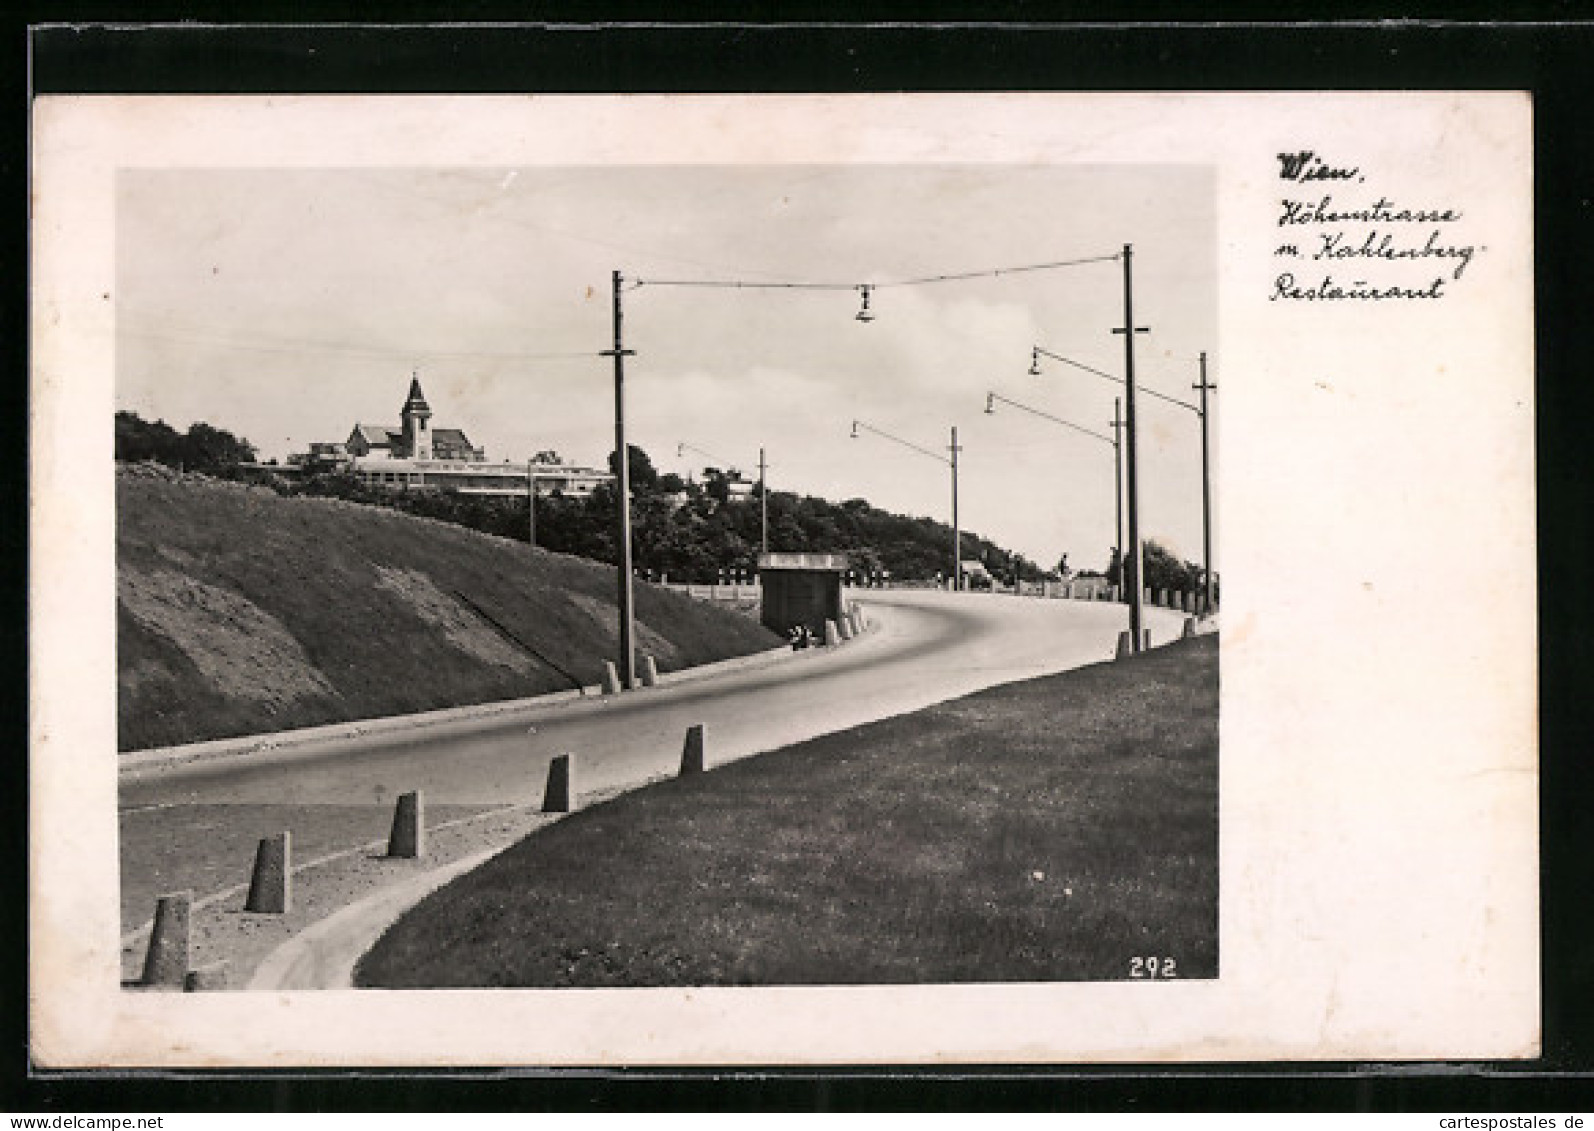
[[204, 448], [138, 439], [716, 485], [644, 476], [1164, 571], [211, 449]]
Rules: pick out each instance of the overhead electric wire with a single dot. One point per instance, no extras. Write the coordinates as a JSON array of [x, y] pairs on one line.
[[820, 285]]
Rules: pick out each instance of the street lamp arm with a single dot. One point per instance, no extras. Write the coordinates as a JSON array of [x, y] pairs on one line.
[[1049, 416], [857, 424], [1040, 352]]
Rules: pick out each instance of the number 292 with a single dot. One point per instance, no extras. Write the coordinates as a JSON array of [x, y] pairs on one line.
[[1140, 967]]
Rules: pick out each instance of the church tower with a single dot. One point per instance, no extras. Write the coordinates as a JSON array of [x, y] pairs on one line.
[[416, 412]]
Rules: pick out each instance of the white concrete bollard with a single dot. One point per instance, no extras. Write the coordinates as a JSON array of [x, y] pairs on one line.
[[271, 886], [407, 839], [1189, 627], [650, 672], [1126, 646], [844, 626], [832, 634], [166, 960], [611, 678], [560, 793], [692, 751]]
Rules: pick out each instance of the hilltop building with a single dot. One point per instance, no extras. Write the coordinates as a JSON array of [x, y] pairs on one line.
[[413, 439], [415, 456]]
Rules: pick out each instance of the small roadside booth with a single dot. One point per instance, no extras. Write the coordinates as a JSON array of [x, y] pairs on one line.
[[976, 576], [801, 589]]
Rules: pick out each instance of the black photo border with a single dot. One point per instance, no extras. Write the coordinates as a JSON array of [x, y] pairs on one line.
[[331, 48]]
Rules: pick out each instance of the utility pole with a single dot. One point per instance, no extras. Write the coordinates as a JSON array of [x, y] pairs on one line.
[[627, 661], [531, 503], [1118, 481], [1132, 567], [1200, 411], [957, 541], [1206, 497], [763, 502]]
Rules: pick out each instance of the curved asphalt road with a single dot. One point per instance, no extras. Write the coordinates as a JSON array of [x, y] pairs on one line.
[[924, 647]]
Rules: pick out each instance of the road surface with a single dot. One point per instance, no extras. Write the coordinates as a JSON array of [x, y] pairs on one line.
[[194, 826]]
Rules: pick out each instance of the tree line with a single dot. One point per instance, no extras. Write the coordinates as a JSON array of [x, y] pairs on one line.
[[201, 448], [697, 531], [700, 531], [1162, 569]]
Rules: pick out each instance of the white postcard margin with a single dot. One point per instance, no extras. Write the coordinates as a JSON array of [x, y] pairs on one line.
[[1379, 755]]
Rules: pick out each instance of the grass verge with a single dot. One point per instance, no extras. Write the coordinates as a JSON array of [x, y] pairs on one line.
[[1056, 829]]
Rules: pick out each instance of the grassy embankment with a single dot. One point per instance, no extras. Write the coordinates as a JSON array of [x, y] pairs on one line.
[[242, 612], [1049, 830]]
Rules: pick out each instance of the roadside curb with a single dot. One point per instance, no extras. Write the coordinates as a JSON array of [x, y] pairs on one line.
[[160, 758]]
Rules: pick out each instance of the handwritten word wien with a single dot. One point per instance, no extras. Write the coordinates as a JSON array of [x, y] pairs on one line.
[[1304, 165], [1360, 236]]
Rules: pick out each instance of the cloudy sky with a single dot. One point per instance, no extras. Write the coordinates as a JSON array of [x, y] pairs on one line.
[[288, 305]]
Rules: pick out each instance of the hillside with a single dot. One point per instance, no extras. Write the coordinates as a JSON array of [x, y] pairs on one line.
[[240, 611]]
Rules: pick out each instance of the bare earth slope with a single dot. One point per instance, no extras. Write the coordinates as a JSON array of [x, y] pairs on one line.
[[243, 612]]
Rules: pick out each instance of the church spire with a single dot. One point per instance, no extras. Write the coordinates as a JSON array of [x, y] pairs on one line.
[[417, 438], [416, 402]]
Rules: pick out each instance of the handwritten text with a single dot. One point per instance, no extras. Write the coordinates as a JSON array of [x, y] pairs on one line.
[[1384, 240]]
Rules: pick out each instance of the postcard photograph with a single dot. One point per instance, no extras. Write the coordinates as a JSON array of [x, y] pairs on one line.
[[754, 590]]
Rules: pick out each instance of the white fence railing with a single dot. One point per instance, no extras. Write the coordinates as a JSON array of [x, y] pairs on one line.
[[730, 591], [1087, 589]]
